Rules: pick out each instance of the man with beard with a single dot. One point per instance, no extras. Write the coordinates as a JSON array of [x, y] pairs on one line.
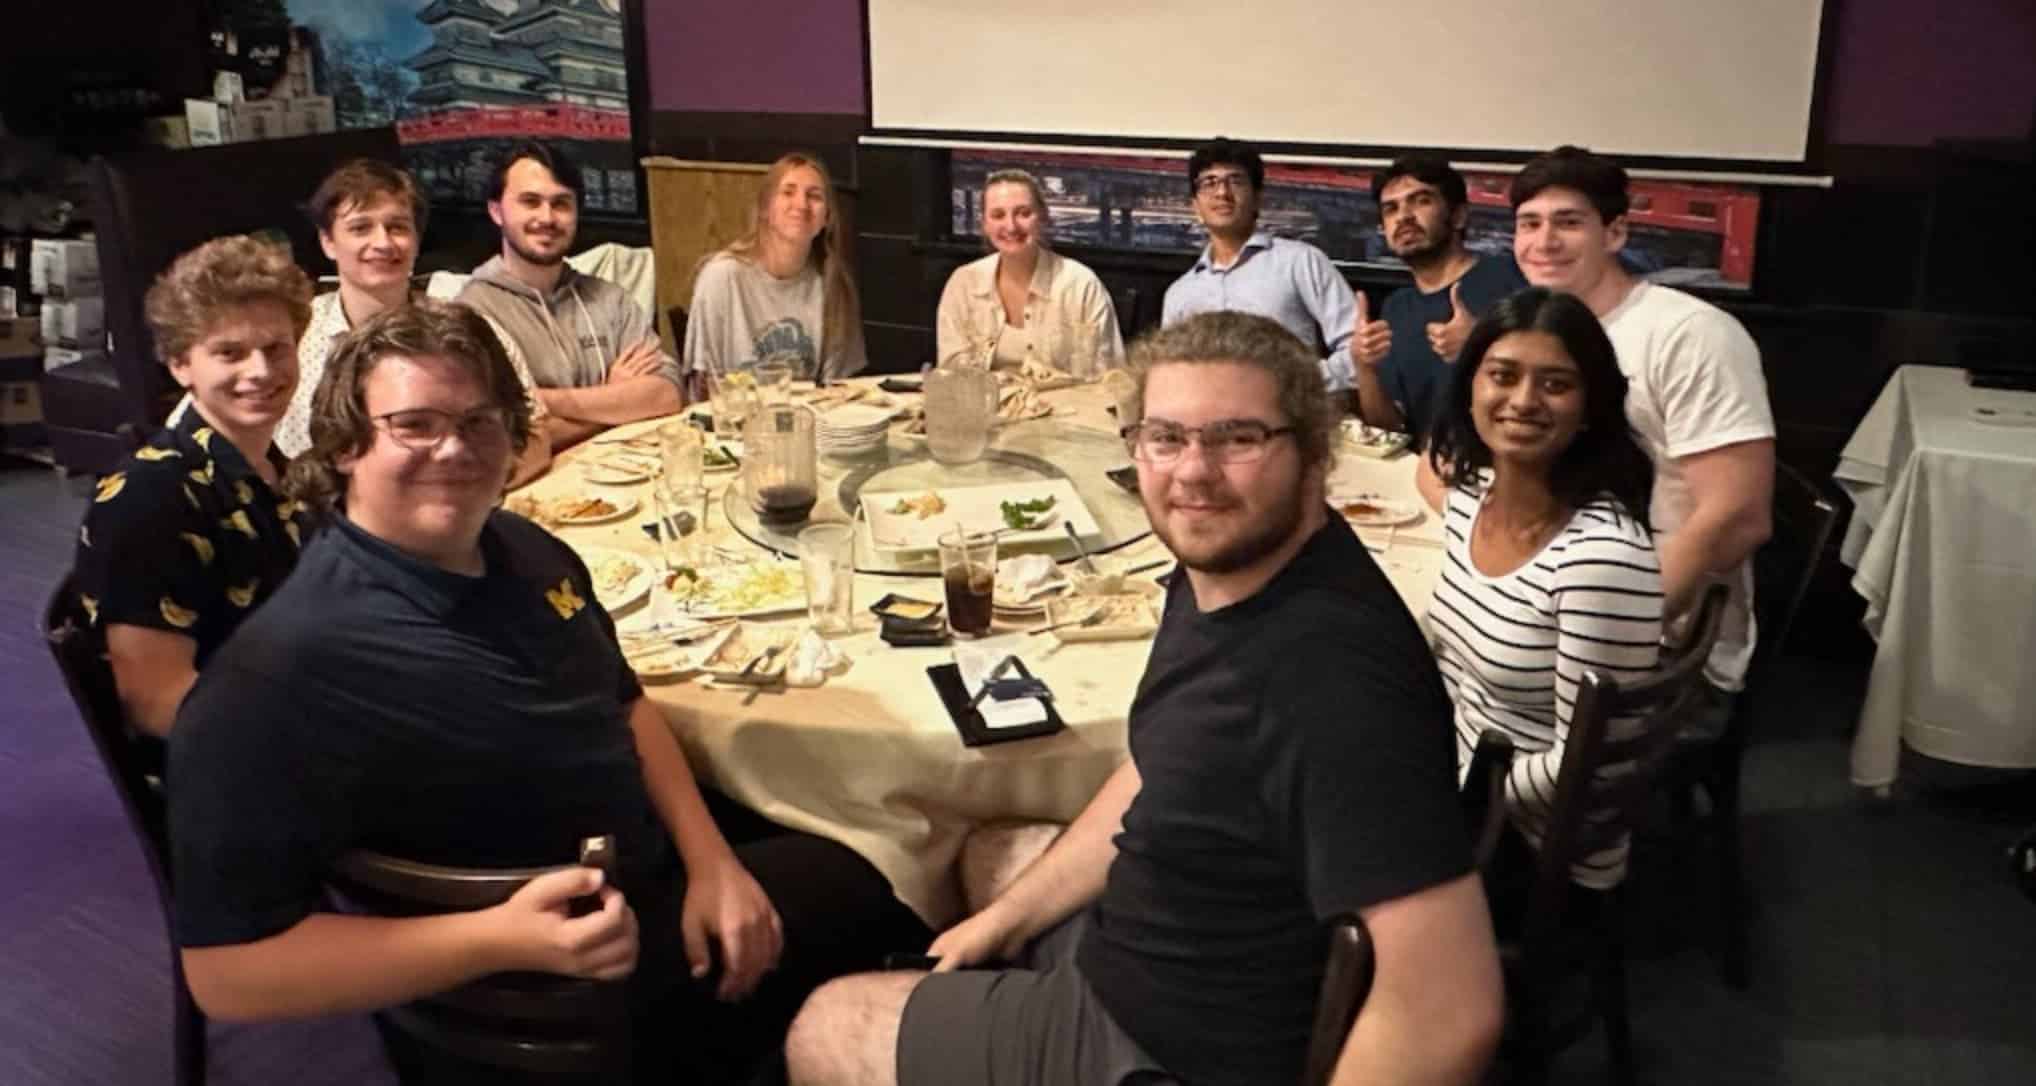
[[593, 350], [1403, 357], [1290, 764], [1249, 270]]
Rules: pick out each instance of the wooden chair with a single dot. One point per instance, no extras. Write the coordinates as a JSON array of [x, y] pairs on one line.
[[131, 763], [1345, 984], [527, 1023], [1804, 516], [1564, 930]]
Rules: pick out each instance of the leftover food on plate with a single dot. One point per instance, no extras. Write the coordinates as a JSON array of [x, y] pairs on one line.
[[924, 506], [732, 590], [716, 458], [1374, 510], [1024, 516], [613, 572], [745, 646], [566, 510]]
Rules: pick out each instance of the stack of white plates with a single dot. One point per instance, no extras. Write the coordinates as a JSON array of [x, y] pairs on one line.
[[853, 429]]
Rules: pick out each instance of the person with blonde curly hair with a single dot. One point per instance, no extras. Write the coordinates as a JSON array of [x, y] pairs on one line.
[[190, 535]]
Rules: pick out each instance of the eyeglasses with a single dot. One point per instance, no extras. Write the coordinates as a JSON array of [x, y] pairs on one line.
[[425, 428], [1234, 182], [1231, 441]]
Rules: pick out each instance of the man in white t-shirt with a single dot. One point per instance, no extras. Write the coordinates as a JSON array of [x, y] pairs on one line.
[[1695, 395]]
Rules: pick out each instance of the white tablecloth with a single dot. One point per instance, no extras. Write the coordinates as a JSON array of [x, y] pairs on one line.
[[1943, 545], [870, 759]]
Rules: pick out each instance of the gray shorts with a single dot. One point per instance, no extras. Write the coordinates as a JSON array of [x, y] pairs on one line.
[[1039, 1025]]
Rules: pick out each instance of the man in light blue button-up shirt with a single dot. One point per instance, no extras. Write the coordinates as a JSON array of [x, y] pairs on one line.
[[1247, 269]]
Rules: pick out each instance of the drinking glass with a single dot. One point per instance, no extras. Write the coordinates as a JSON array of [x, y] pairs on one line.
[[828, 553], [681, 525], [961, 406], [774, 379], [968, 567], [735, 399], [680, 444]]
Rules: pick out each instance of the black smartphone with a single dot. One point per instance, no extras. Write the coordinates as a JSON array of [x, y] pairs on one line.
[[924, 962], [901, 384]]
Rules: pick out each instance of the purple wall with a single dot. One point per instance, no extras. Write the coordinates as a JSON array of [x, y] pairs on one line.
[[1901, 74], [755, 56], [1906, 74]]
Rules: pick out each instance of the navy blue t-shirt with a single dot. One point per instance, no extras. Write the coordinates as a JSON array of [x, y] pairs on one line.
[[379, 702], [1414, 377]]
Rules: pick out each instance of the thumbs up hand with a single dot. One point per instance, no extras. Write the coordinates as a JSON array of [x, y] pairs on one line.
[[1369, 339], [1446, 337]]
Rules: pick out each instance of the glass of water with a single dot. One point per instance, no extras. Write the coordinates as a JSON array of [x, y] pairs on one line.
[[828, 553]]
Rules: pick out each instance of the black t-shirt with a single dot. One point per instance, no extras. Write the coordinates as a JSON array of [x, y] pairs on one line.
[[1297, 764], [1414, 376], [380, 702]]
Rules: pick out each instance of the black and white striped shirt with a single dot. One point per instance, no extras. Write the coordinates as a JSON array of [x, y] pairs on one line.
[[1513, 647]]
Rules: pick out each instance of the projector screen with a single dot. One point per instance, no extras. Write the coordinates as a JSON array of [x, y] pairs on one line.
[[1722, 80]]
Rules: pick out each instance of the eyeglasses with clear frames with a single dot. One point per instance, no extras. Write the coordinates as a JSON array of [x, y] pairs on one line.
[[1230, 441], [1234, 182], [424, 428]]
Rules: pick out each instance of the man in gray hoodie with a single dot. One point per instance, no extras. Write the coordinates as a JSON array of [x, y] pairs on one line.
[[592, 349]]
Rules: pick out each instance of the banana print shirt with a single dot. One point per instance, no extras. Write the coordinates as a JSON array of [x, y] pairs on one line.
[[185, 538]]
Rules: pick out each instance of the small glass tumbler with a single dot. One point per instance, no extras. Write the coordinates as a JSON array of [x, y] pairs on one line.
[[774, 380], [682, 526], [828, 554], [968, 568], [680, 445]]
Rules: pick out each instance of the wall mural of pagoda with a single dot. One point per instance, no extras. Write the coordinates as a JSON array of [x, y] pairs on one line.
[[460, 79]]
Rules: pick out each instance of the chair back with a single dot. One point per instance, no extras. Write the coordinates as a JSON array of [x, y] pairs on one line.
[[131, 764], [1483, 796], [1804, 517], [1606, 778], [1345, 983], [526, 1022], [89, 678]]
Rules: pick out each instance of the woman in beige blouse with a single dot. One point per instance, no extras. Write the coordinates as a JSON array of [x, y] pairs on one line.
[[1025, 305]]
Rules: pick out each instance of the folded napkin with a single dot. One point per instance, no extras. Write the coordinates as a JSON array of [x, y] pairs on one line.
[[974, 661], [812, 659]]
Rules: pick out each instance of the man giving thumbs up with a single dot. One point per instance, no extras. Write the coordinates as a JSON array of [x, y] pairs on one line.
[[1423, 205]]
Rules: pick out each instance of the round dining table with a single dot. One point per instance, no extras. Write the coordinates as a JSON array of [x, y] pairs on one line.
[[871, 757]]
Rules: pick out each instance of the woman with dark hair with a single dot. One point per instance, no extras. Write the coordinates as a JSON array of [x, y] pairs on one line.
[[1549, 567]]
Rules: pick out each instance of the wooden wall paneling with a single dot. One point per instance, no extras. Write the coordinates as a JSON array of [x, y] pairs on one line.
[[695, 208]]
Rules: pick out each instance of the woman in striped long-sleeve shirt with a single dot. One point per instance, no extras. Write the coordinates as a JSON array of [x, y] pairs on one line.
[[1550, 567]]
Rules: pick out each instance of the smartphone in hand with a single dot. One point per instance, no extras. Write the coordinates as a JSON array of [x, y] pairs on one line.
[[923, 962]]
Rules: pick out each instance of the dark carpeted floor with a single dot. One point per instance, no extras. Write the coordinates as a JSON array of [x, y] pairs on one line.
[[1890, 945]]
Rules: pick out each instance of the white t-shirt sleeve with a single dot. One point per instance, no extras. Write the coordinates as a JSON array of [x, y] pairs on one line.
[[1708, 378]]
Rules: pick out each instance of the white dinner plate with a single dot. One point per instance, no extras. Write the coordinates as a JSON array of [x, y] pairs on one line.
[[1366, 510], [630, 591]]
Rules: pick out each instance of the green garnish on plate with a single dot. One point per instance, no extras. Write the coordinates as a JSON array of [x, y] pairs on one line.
[[1025, 516]]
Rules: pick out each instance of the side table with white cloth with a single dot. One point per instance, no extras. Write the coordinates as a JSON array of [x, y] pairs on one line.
[[1943, 547], [870, 758]]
